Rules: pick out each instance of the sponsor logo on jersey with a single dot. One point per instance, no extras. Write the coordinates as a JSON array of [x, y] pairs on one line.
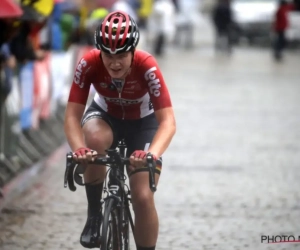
[[103, 85], [153, 83], [81, 65], [150, 105], [131, 87], [121, 101], [131, 82]]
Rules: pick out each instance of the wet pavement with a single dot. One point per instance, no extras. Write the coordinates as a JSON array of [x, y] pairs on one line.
[[230, 176]]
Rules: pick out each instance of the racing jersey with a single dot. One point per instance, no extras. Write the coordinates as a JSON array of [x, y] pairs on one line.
[[141, 93]]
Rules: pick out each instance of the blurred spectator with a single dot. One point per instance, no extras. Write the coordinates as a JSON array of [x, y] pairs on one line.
[[9, 12], [9, 27], [207, 6], [55, 30], [93, 22], [66, 25], [25, 45], [222, 20], [144, 12], [8, 63], [186, 21], [281, 24], [176, 5], [135, 4], [80, 32], [104, 3], [77, 35], [162, 25], [124, 5]]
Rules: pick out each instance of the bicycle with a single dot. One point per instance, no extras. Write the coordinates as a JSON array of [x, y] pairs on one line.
[[116, 205]]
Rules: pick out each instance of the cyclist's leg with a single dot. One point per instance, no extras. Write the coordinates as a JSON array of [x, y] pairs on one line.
[[146, 219], [98, 134]]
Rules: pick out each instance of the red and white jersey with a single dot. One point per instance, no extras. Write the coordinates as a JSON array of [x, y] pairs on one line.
[[143, 91]]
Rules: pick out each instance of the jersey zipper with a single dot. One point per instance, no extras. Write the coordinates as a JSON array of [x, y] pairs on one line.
[[123, 114], [120, 89]]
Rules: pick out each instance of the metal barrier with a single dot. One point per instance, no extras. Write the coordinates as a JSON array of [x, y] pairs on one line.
[[31, 118]]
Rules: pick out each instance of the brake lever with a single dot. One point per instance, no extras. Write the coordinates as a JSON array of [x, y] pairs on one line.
[[67, 169], [151, 167], [69, 179]]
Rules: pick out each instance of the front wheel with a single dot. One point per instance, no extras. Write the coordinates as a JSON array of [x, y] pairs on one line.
[[110, 237], [125, 228]]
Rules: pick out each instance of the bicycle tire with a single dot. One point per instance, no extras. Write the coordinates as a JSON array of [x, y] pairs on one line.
[[125, 229], [110, 237]]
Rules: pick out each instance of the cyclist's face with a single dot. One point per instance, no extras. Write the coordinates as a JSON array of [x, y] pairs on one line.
[[117, 65]]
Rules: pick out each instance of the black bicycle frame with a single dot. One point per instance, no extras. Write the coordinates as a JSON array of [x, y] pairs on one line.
[[118, 172], [117, 162]]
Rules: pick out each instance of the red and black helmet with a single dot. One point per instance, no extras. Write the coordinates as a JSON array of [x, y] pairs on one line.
[[117, 33]]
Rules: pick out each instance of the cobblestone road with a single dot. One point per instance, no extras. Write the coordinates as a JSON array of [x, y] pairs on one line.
[[230, 175]]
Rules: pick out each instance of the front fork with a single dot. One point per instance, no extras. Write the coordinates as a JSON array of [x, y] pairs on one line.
[[124, 215]]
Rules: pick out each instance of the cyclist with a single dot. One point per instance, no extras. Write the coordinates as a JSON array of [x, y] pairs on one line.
[[132, 102]]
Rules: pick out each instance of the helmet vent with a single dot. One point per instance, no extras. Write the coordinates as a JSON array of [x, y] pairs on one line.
[[117, 33]]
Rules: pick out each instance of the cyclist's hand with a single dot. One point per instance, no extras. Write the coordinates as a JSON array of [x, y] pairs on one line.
[[84, 155], [138, 158]]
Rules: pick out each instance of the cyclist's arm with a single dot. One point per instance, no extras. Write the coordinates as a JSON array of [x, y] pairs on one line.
[[77, 101], [165, 132], [161, 100], [73, 115]]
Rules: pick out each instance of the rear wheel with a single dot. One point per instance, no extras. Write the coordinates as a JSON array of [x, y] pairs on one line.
[[110, 237]]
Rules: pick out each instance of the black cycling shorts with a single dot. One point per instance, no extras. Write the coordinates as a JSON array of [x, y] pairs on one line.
[[137, 134]]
